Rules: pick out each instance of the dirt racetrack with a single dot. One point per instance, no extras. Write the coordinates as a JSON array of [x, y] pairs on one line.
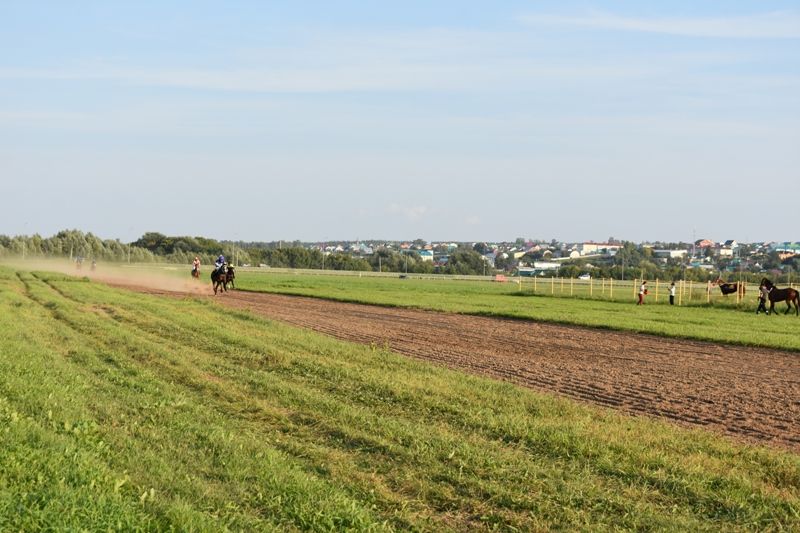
[[748, 393]]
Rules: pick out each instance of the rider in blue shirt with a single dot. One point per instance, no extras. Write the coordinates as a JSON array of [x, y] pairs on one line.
[[219, 264]]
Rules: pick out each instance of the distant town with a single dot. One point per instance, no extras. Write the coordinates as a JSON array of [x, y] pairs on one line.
[[542, 258]]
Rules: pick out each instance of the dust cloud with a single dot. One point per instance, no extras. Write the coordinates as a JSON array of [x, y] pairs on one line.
[[153, 276]]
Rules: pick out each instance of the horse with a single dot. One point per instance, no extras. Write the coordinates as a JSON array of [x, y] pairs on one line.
[[728, 288], [231, 276], [789, 295], [219, 278], [196, 273]]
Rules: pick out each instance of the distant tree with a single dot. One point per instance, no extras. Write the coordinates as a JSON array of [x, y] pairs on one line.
[[481, 247], [466, 262]]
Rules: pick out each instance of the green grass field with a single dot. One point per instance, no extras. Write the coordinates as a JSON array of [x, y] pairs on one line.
[[720, 323], [131, 412]]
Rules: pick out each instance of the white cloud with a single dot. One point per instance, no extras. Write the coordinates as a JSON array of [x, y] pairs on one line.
[[774, 25], [411, 212]]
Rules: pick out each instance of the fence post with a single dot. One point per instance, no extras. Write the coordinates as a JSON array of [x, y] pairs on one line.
[[591, 287], [552, 285], [603, 287], [690, 290], [708, 292], [611, 288], [570, 286], [534, 283], [562, 285], [656, 290], [680, 292]]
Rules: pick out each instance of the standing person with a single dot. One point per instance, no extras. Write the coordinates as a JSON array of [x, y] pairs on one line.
[[642, 292], [763, 296], [672, 293]]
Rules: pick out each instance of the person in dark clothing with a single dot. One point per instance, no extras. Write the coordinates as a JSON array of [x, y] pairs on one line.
[[763, 296]]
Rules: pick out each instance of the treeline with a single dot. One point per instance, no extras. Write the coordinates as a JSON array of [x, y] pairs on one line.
[[157, 247], [630, 262], [462, 261], [72, 244]]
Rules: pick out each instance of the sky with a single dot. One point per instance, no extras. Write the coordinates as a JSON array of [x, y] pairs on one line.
[[440, 120]]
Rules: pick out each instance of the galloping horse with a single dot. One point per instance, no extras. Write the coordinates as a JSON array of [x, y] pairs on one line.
[[728, 288], [219, 278], [231, 276], [789, 295]]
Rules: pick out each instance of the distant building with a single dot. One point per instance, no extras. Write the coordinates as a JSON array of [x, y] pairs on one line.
[[704, 243], [591, 248], [787, 248], [545, 265], [670, 254]]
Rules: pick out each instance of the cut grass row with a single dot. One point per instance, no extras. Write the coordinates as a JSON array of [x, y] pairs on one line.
[[718, 324], [132, 412]]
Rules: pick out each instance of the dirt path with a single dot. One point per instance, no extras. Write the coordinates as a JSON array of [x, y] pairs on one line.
[[750, 393]]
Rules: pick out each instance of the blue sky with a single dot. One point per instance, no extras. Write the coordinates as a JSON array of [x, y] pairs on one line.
[[434, 120]]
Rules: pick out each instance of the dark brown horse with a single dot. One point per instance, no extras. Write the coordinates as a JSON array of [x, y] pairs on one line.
[[729, 288], [219, 279], [789, 295], [231, 276]]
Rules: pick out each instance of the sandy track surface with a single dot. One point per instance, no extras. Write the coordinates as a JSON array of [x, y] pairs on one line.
[[749, 393]]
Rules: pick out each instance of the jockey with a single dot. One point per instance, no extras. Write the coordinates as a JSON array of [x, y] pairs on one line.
[[219, 264], [196, 264]]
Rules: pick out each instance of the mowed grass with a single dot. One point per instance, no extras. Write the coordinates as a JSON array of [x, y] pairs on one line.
[[124, 411], [720, 324]]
